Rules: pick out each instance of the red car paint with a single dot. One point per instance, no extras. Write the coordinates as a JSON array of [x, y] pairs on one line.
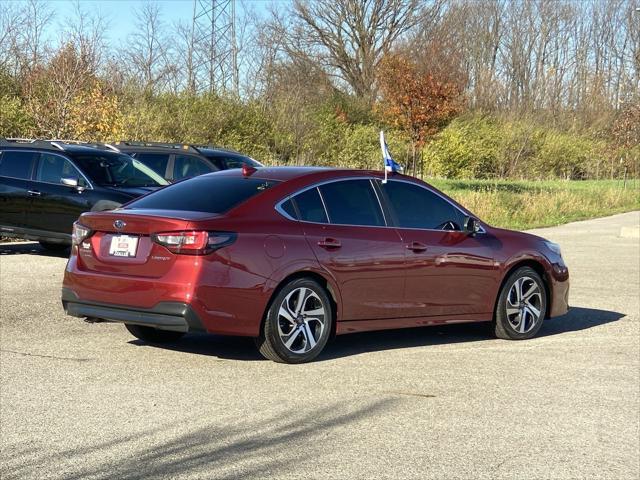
[[379, 277]]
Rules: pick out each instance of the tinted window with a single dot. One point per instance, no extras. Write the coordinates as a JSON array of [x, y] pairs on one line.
[[211, 193], [17, 164], [352, 202], [155, 161], [417, 207], [289, 209], [238, 162], [188, 166], [117, 170], [53, 168], [219, 164], [310, 206]]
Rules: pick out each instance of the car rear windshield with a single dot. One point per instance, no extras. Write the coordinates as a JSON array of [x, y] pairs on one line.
[[207, 193], [117, 170]]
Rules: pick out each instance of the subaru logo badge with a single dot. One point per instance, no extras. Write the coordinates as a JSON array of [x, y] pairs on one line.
[[119, 224]]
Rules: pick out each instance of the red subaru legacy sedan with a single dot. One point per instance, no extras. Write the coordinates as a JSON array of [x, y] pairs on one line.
[[292, 256]]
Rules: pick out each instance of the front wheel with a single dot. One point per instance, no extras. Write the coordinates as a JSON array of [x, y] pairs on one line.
[[153, 335], [522, 305], [298, 323]]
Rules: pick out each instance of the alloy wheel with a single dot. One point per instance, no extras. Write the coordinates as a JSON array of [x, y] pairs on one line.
[[301, 320], [524, 304]]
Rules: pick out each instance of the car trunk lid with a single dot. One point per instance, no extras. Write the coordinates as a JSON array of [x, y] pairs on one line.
[[121, 241]]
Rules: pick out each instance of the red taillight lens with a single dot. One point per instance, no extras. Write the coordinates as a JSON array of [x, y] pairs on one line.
[[194, 242], [79, 233]]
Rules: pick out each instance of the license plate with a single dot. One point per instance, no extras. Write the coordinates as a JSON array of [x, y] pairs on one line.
[[123, 246]]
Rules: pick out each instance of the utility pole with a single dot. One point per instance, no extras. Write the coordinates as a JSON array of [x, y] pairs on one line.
[[215, 48]]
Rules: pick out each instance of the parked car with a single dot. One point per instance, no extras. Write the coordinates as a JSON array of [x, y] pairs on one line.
[[46, 185], [291, 256], [177, 161]]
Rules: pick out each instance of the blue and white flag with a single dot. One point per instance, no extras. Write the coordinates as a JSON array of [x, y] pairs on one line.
[[390, 165]]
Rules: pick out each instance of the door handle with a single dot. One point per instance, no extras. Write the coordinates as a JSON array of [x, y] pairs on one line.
[[417, 247], [329, 243], [34, 193]]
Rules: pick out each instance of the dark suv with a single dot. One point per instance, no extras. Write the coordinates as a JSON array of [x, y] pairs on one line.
[[175, 161], [46, 185]]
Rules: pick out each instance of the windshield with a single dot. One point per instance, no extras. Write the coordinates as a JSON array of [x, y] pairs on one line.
[[118, 170]]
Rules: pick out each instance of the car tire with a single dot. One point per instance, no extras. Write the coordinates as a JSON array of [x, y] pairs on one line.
[[53, 247], [521, 306], [294, 332], [153, 335]]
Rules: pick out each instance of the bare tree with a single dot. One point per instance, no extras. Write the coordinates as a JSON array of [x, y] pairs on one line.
[[147, 51], [349, 37]]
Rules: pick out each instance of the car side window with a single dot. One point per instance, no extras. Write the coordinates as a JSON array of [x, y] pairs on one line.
[[155, 161], [417, 207], [17, 164], [234, 162], [310, 207], [189, 166], [352, 202], [217, 162], [289, 209], [53, 168]]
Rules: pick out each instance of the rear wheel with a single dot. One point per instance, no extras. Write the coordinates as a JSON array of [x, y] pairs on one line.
[[298, 323], [521, 306], [53, 247], [153, 335]]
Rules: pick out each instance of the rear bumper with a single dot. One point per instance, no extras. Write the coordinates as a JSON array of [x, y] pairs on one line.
[[175, 316]]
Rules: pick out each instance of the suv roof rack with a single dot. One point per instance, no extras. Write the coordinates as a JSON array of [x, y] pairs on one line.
[[99, 145], [176, 146], [54, 143], [34, 142]]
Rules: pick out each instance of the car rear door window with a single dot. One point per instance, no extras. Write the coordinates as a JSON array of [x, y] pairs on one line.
[[310, 206], [155, 161], [289, 209], [352, 202], [417, 207], [53, 168], [17, 164], [188, 166], [210, 194]]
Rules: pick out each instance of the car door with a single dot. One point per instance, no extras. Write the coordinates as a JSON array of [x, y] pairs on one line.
[[185, 166], [55, 205], [16, 167], [346, 229], [448, 272]]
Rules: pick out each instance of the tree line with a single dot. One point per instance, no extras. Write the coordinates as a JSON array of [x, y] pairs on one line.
[[482, 88]]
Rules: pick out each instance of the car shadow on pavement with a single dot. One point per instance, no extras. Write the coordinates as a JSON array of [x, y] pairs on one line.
[[239, 348], [30, 248], [229, 448]]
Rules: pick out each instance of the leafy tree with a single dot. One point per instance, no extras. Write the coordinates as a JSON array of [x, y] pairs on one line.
[[416, 101]]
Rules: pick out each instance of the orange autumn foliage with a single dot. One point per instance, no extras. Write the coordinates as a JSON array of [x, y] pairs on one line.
[[417, 101]]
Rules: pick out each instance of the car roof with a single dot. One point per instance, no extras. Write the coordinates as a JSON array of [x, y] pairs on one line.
[[153, 149], [210, 151], [68, 149], [283, 174]]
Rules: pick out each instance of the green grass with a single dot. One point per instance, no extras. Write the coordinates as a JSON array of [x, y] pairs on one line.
[[529, 204]]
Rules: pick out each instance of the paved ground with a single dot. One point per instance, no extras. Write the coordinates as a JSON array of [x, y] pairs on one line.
[[87, 401]]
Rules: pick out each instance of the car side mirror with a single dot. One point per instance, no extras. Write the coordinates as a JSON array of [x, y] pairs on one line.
[[471, 226], [72, 182]]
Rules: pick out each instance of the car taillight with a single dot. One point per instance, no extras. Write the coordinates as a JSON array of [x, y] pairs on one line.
[[194, 242], [79, 233]]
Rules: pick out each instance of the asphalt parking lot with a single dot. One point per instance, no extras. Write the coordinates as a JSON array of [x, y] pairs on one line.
[[87, 401]]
